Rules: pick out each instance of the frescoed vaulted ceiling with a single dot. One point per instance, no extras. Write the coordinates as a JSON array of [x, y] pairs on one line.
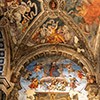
[[32, 23], [73, 23], [51, 28], [84, 13]]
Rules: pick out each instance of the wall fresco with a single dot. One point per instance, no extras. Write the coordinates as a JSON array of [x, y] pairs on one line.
[[52, 31], [57, 76]]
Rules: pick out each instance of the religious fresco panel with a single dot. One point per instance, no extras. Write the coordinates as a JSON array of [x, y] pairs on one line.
[[52, 31], [53, 75]]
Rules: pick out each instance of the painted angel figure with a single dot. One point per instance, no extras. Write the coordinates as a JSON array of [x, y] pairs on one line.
[[69, 67], [80, 74], [72, 83], [38, 68], [54, 36]]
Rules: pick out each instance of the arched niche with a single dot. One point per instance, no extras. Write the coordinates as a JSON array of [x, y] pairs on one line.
[[49, 53]]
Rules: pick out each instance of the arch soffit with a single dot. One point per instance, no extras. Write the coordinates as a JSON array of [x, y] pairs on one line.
[[54, 49]]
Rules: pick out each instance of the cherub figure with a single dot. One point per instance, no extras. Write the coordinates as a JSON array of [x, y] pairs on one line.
[[38, 68], [69, 67], [73, 83], [80, 74]]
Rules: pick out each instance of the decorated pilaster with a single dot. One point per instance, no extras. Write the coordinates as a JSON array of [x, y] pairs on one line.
[[5, 84], [92, 88]]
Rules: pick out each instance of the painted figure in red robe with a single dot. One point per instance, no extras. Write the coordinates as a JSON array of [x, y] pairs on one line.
[[80, 74], [34, 83], [53, 71]]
